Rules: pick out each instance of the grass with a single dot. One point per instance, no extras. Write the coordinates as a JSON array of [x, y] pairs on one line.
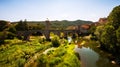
[[15, 52], [18, 53], [62, 56]]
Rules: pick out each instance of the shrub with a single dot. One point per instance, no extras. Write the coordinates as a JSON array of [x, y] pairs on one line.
[[42, 61], [60, 52], [10, 35], [93, 38], [2, 37], [21, 62], [55, 61], [55, 42]]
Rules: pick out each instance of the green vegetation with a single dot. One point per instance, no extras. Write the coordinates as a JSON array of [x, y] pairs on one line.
[[15, 53], [62, 56], [3, 33], [55, 42], [3, 25], [58, 52], [108, 34], [59, 25], [7, 31], [18, 53], [21, 26]]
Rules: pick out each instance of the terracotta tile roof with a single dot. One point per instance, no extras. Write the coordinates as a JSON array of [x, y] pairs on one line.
[[85, 26]]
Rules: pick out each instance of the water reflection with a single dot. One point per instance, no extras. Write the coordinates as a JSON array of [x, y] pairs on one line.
[[69, 39], [88, 56]]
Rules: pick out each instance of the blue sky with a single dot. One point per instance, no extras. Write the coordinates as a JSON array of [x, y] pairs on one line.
[[39, 10]]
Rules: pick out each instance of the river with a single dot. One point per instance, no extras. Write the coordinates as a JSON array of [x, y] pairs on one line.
[[91, 58]]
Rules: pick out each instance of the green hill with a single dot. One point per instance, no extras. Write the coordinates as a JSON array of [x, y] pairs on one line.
[[57, 24]]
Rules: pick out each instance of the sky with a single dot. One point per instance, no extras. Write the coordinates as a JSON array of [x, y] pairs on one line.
[[39, 10]]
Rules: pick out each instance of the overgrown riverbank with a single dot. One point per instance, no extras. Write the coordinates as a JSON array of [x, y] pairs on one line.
[[17, 53]]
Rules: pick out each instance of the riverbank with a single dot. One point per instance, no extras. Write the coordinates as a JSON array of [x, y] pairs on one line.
[[61, 56], [91, 55], [35, 53]]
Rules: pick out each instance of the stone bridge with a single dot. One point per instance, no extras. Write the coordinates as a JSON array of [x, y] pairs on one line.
[[46, 33]]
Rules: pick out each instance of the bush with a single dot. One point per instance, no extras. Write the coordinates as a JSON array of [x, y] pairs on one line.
[[55, 61], [21, 62], [12, 29], [42, 61], [55, 42], [2, 37], [10, 35], [93, 38], [20, 37]]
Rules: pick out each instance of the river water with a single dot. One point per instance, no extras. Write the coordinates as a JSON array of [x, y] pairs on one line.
[[91, 58]]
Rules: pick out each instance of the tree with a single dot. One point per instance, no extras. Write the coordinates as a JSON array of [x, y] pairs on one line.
[[114, 20], [92, 29], [3, 30], [98, 32], [3, 25], [11, 32], [12, 29], [114, 17], [110, 35], [21, 26], [118, 34], [108, 38], [118, 38]]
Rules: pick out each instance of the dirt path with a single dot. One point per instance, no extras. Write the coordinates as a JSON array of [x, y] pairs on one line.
[[31, 61]]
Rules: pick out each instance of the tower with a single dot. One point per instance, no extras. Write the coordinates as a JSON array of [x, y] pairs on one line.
[[47, 28], [47, 22]]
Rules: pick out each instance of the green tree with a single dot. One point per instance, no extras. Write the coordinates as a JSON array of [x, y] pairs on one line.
[[110, 35], [118, 38], [118, 34], [2, 37], [3, 25], [92, 29], [12, 29], [98, 32], [3, 30], [114, 17], [21, 26], [108, 38]]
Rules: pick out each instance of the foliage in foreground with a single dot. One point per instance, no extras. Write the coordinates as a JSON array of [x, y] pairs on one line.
[[15, 53], [62, 56]]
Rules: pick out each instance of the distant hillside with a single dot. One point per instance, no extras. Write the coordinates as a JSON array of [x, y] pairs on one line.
[[58, 24], [64, 24]]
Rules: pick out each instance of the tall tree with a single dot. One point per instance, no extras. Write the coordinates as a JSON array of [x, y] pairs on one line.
[[3, 32], [21, 26], [114, 17], [3, 25], [110, 35]]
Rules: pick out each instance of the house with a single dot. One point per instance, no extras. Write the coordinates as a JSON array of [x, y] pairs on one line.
[[102, 20], [84, 28]]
